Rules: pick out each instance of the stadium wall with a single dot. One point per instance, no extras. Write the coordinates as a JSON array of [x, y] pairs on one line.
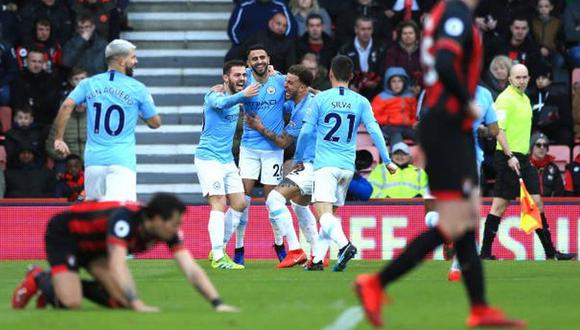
[[380, 230]]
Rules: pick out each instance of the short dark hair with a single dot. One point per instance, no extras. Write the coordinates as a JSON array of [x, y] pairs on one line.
[[405, 24], [256, 47], [303, 74], [519, 18], [72, 157], [314, 16], [363, 18], [342, 68], [230, 64], [84, 18], [24, 108], [76, 70], [163, 205], [44, 21]]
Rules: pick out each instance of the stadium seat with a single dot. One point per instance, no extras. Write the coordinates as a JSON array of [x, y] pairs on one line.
[[5, 119], [418, 156], [364, 140], [575, 152], [2, 158], [562, 155]]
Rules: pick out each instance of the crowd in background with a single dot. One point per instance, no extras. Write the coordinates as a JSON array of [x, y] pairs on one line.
[[48, 46]]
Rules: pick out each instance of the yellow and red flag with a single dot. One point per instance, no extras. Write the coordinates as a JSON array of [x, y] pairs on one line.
[[530, 214]]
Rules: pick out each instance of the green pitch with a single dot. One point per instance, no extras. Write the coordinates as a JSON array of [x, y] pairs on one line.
[[546, 294]]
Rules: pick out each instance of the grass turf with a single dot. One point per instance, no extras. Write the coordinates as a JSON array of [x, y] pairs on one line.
[[545, 294]]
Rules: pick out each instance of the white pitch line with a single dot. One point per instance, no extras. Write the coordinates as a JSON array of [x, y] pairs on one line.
[[348, 319]]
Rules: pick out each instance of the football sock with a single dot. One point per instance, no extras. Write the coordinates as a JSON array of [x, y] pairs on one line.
[[231, 222], [455, 265], [333, 229], [95, 292], [321, 247], [44, 283], [411, 256], [241, 230], [546, 238], [307, 223], [216, 233], [281, 220], [471, 268], [491, 226]]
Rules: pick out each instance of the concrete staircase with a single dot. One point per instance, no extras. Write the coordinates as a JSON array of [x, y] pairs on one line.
[[180, 48]]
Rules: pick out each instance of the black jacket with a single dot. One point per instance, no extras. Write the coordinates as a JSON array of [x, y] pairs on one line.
[[375, 60], [39, 91], [58, 15], [325, 55]]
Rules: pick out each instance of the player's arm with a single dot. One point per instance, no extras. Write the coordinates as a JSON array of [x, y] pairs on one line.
[[283, 140], [60, 122], [153, 122], [491, 130], [122, 275], [222, 101], [374, 131], [199, 279]]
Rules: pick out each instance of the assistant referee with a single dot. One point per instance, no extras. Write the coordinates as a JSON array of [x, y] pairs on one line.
[[514, 113]]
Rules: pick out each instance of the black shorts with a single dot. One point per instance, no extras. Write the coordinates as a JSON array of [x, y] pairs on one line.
[[450, 157], [62, 251], [507, 184]]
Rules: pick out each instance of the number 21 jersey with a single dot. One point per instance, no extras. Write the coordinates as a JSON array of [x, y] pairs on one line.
[[114, 103], [336, 113]]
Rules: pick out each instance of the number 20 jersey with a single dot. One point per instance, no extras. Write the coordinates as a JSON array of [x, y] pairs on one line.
[[114, 103], [336, 113]]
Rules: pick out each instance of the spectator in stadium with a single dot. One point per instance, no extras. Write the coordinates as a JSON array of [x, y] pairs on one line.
[[519, 45], [502, 12], [9, 20], [347, 19], [251, 16], [36, 88], [301, 9], [547, 29], [551, 184], [320, 73], [55, 10], [405, 52], [316, 41], [572, 178], [576, 111], [551, 108], [395, 108], [100, 11], [41, 39], [29, 179], [75, 134], [408, 182], [572, 31], [24, 132], [496, 78], [8, 70], [71, 183], [86, 48], [398, 11], [280, 47], [367, 54], [359, 189]]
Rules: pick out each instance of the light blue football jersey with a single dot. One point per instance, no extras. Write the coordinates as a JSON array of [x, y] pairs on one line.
[[114, 104], [269, 106], [336, 113], [295, 125], [220, 118], [484, 100]]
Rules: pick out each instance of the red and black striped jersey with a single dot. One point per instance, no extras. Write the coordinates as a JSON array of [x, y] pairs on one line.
[[94, 225], [450, 29]]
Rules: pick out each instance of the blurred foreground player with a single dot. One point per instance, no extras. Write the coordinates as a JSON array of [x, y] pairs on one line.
[[98, 236], [452, 58]]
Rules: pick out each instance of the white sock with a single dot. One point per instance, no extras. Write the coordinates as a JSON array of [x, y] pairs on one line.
[[232, 220], [333, 229], [241, 230], [216, 233], [455, 265], [321, 247], [278, 211], [307, 223]]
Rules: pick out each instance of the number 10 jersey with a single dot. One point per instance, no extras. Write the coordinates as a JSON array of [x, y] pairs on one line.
[[114, 104]]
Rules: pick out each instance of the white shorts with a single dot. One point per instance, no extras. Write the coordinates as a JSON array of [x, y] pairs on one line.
[[263, 164], [110, 183], [304, 179], [331, 185], [216, 178]]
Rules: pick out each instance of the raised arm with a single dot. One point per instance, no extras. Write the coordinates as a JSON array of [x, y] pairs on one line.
[[199, 279]]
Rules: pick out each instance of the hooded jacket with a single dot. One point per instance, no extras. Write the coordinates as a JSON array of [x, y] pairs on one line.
[[395, 110]]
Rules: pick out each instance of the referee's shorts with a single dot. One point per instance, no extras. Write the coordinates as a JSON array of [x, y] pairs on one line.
[[507, 185]]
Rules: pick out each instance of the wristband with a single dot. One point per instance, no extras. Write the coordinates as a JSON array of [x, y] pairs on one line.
[[216, 302]]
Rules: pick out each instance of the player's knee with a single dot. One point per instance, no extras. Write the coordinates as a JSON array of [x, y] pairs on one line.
[[238, 205], [499, 206], [275, 201], [218, 203], [70, 302]]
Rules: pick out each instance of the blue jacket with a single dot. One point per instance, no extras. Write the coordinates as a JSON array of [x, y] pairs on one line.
[[251, 16]]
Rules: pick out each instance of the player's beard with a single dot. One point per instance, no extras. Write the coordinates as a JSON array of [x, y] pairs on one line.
[[263, 73], [232, 87], [129, 71]]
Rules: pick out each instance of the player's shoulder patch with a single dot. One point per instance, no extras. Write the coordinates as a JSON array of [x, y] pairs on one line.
[[121, 228], [454, 26]]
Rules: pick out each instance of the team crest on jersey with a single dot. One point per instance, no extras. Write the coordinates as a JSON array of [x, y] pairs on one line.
[[271, 90], [22, 52], [71, 260], [453, 27], [217, 185], [121, 228]]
